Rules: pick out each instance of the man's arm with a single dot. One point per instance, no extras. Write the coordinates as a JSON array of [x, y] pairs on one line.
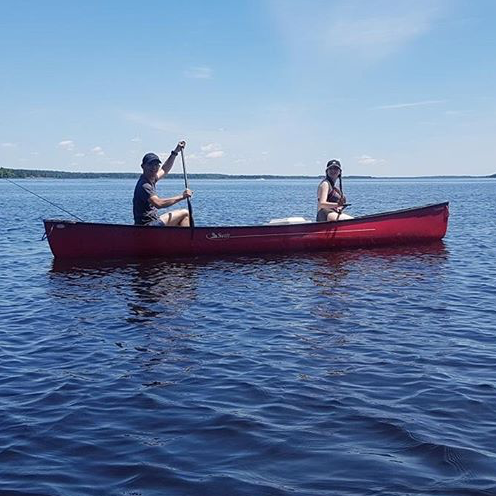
[[168, 202], [170, 161]]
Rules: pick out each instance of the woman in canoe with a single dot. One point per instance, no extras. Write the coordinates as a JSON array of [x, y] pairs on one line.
[[330, 199]]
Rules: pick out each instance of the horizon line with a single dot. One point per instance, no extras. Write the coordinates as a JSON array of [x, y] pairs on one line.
[[227, 176]]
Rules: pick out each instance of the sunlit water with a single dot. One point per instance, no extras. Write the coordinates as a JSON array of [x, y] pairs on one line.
[[346, 373]]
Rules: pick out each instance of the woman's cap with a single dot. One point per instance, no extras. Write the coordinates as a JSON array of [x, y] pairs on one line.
[[333, 163], [150, 158]]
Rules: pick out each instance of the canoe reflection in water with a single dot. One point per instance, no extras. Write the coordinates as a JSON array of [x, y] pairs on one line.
[[164, 290], [150, 288], [363, 279]]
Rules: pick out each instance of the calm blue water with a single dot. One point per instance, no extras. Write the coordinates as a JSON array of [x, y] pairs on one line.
[[350, 373]]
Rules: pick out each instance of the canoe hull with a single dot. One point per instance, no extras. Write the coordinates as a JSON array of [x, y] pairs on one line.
[[70, 240]]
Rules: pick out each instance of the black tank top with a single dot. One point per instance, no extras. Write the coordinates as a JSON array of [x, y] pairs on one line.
[[334, 194]]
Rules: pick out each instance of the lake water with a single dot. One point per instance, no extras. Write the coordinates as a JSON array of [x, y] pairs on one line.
[[347, 373]]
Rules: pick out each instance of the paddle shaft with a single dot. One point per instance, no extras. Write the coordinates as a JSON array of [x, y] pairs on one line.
[[342, 194], [190, 208]]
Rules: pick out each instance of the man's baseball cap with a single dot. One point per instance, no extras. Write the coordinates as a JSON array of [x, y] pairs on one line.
[[149, 159]]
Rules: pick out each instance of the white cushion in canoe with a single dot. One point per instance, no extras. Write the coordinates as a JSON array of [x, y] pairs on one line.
[[289, 220]]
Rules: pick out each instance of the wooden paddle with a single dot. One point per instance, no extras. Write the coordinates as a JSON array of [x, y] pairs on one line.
[[190, 208]]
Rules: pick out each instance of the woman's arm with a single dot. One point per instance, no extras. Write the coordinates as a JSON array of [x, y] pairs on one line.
[[322, 193]]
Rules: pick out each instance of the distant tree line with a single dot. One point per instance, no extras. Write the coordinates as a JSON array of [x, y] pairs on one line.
[[25, 173]]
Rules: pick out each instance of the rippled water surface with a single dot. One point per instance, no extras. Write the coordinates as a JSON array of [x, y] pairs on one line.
[[346, 373]]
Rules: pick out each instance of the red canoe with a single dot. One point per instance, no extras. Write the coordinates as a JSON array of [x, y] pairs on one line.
[[69, 239]]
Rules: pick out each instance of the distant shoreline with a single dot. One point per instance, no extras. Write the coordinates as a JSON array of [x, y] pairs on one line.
[[7, 173]]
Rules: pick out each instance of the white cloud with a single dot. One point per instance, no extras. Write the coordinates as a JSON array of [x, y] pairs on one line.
[[212, 150], [211, 147], [408, 105], [66, 145], [98, 150], [34, 153], [377, 36], [368, 30], [368, 161], [215, 154], [80, 154], [199, 72], [8, 145], [152, 122], [136, 139]]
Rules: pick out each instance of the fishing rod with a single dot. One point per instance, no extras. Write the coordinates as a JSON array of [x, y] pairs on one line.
[[44, 199]]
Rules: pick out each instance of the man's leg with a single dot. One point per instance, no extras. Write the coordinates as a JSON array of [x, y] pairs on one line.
[[176, 218]]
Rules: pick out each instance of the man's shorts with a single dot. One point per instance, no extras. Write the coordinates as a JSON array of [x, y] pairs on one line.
[[157, 223]]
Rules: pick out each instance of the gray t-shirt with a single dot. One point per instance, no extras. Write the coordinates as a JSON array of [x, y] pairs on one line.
[[143, 211]]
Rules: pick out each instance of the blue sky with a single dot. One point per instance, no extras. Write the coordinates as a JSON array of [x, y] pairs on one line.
[[257, 86]]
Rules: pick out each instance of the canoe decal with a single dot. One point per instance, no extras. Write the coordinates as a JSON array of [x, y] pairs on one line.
[[217, 236]]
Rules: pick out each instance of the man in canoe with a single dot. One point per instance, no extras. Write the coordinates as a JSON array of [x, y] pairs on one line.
[[146, 201], [330, 199]]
